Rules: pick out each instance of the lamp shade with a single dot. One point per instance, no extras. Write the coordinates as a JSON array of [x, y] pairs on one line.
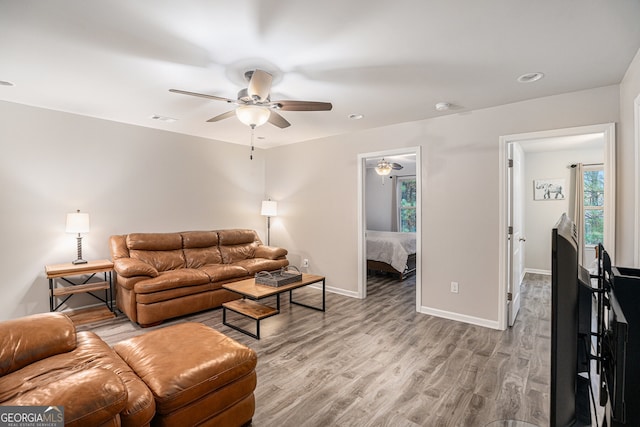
[[252, 115], [269, 208], [77, 222]]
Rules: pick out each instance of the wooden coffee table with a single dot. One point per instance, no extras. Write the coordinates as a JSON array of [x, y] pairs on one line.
[[251, 292]]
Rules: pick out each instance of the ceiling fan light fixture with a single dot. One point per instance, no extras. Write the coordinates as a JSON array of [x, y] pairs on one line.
[[383, 167], [252, 115]]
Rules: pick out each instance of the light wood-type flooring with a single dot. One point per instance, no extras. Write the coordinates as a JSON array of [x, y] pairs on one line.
[[376, 362]]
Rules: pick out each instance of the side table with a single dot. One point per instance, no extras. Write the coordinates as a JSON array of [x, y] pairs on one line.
[[59, 274]]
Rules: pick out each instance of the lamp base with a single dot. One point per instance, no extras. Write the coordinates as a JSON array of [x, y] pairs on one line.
[[79, 260]]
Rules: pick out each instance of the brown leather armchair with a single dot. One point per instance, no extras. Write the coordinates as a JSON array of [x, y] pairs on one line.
[[184, 374], [44, 362]]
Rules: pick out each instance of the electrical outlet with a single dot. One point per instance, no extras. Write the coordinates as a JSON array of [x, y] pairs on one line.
[[454, 287], [305, 263]]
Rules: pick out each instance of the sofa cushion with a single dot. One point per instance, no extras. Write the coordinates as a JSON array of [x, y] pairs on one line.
[[198, 257], [234, 253], [161, 260], [171, 279], [154, 241], [32, 338], [237, 237], [220, 272], [199, 239]]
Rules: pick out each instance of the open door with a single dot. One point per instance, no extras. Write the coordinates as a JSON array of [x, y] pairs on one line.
[[362, 218], [512, 213], [516, 238]]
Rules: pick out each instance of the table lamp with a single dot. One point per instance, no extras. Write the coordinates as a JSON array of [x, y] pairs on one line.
[[78, 223]]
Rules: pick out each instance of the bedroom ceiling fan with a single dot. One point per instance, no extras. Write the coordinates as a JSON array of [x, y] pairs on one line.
[[384, 167], [254, 104]]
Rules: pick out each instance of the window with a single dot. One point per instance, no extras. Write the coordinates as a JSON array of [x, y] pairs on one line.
[[593, 205], [406, 196]]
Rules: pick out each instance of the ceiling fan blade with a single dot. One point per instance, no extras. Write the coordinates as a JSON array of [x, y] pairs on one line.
[[202, 95], [222, 116], [302, 105], [260, 85], [396, 166], [277, 120]]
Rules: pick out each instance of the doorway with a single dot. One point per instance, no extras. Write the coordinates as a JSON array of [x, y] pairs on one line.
[[509, 283], [414, 152]]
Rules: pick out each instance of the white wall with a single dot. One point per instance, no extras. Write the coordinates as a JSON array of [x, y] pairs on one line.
[[626, 153], [138, 179], [541, 215], [460, 195], [128, 178], [378, 196]]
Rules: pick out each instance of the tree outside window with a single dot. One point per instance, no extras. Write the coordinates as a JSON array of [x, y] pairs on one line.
[[593, 206], [407, 204]]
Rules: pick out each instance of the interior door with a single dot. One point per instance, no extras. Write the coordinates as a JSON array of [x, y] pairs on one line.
[[517, 239]]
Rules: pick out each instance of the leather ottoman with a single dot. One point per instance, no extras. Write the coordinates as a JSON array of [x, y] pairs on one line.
[[198, 376]]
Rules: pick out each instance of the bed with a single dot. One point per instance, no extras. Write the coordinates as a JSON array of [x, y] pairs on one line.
[[391, 252]]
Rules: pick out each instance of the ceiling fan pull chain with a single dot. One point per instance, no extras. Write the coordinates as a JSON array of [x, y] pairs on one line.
[[251, 154]]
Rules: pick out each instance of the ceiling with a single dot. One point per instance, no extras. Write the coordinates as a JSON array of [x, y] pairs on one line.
[[389, 61]]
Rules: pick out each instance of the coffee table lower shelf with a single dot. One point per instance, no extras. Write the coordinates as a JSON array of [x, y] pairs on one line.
[[248, 308]]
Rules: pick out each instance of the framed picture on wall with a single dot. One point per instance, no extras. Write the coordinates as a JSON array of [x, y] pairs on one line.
[[549, 189]]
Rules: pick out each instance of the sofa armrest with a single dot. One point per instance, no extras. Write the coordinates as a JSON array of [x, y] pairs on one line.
[[131, 267], [269, 252], [31, 338]]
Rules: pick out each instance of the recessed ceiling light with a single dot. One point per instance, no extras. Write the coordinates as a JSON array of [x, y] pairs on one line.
[[164, 118], [355, 116], [6, 83], [443, 106], [530, 77]]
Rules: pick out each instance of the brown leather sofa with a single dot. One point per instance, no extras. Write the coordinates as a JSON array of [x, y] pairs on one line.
[[184, 374], [164, 275]]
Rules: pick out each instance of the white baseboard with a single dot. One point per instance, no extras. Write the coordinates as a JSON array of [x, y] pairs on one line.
[[352, 294], [536, 271], [493, 324]]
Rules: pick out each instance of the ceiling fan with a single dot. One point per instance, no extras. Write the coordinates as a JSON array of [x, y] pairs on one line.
[[254, 104], [384, 167]]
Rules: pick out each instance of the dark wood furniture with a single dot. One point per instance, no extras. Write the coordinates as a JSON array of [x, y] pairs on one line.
[[373, 265]]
